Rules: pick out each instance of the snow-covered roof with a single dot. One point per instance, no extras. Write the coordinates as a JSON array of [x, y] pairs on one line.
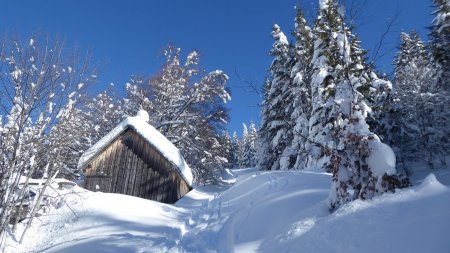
[[150, 134]]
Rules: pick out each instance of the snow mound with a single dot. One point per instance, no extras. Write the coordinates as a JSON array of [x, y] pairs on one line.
[[143, 115], [105, 222], [412, 220], [381, 159], [431, 184]]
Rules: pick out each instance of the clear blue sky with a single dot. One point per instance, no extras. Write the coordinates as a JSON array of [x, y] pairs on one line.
[[126, 37]]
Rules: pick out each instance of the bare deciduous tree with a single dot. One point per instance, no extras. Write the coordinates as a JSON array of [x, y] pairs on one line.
[[41, 84], [186, 104]]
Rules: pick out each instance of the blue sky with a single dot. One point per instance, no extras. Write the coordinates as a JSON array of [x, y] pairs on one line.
[[126, 37]]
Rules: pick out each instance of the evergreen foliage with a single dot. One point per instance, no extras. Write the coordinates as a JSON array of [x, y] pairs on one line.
[[440, 43], [336, 100], [301, 89], [418, 120], [275, 131], [234, 151]]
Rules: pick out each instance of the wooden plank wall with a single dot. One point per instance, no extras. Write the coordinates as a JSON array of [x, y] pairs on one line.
[[131, 166]]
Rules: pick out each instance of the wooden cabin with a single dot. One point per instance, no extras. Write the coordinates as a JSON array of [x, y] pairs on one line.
[[137, 160]]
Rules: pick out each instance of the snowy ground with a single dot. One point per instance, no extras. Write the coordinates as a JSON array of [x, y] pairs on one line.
[[261, 212]]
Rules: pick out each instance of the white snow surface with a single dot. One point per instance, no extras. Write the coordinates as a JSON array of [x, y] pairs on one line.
[[381, 159], [282, 38], [150, 134], [323, 4], [261, 212]]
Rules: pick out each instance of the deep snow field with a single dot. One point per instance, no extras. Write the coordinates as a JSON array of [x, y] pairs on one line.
[[260, 212]]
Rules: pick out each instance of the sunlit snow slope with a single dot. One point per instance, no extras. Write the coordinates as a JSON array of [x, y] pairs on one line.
[[261, 212]]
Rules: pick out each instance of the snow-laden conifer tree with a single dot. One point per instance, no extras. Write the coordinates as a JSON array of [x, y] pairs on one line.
[[440, 43], [377, 92], [340, 140], [234, 151], [252, 139], [275, 133], [327, 64], [244, 144], [419, 122], [226, 149], [301, 78]]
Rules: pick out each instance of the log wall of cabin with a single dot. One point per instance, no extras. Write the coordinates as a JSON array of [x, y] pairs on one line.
[[129, 165]]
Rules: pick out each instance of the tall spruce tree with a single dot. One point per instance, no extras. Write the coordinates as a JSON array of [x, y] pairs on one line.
[[301, 78], [326, 65], [440, 43], [244, 144], [418, 116], [377, 92], [247, 146], [234, 151], [252, 140], [275, 128], [226, 149], [340, 140]]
